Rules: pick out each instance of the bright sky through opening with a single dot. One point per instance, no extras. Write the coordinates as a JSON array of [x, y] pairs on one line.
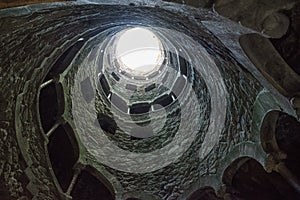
[[139, 50]]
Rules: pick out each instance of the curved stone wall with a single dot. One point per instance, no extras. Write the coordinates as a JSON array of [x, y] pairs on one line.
[[52, 98]]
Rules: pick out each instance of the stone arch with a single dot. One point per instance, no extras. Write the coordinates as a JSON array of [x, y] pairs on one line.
[[204, 193], [231, 170], [245, 178], [50, 104], [63, 152], [276, 142], [206, 184], [240, 154], [273, 67], [280, 138], [288, 139], [267, 133], [91, 185]]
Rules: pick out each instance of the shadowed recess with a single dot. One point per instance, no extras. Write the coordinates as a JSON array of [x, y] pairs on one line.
[[251, 181], [48, 106], [88, 187], [288, 138], [63, 154]]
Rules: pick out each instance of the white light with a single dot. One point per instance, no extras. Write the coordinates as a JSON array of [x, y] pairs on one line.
[[139, 50]]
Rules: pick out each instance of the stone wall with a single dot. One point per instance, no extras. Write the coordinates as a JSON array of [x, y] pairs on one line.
[[33, 39]]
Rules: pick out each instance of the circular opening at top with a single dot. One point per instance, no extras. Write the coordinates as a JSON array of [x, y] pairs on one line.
[[139, 51]]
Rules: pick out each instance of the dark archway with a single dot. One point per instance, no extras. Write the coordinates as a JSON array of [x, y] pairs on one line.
[[287, 135], [280, 138], [205, 193], [88, 187], [63, 154], [250, 181]]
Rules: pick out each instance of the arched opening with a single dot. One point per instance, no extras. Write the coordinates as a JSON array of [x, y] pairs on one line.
[[246, 179], [107, 123], [88, 187], [280, 133], [287, 135], [63, 154], [49, 106], [205, 193], [64, 60]]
